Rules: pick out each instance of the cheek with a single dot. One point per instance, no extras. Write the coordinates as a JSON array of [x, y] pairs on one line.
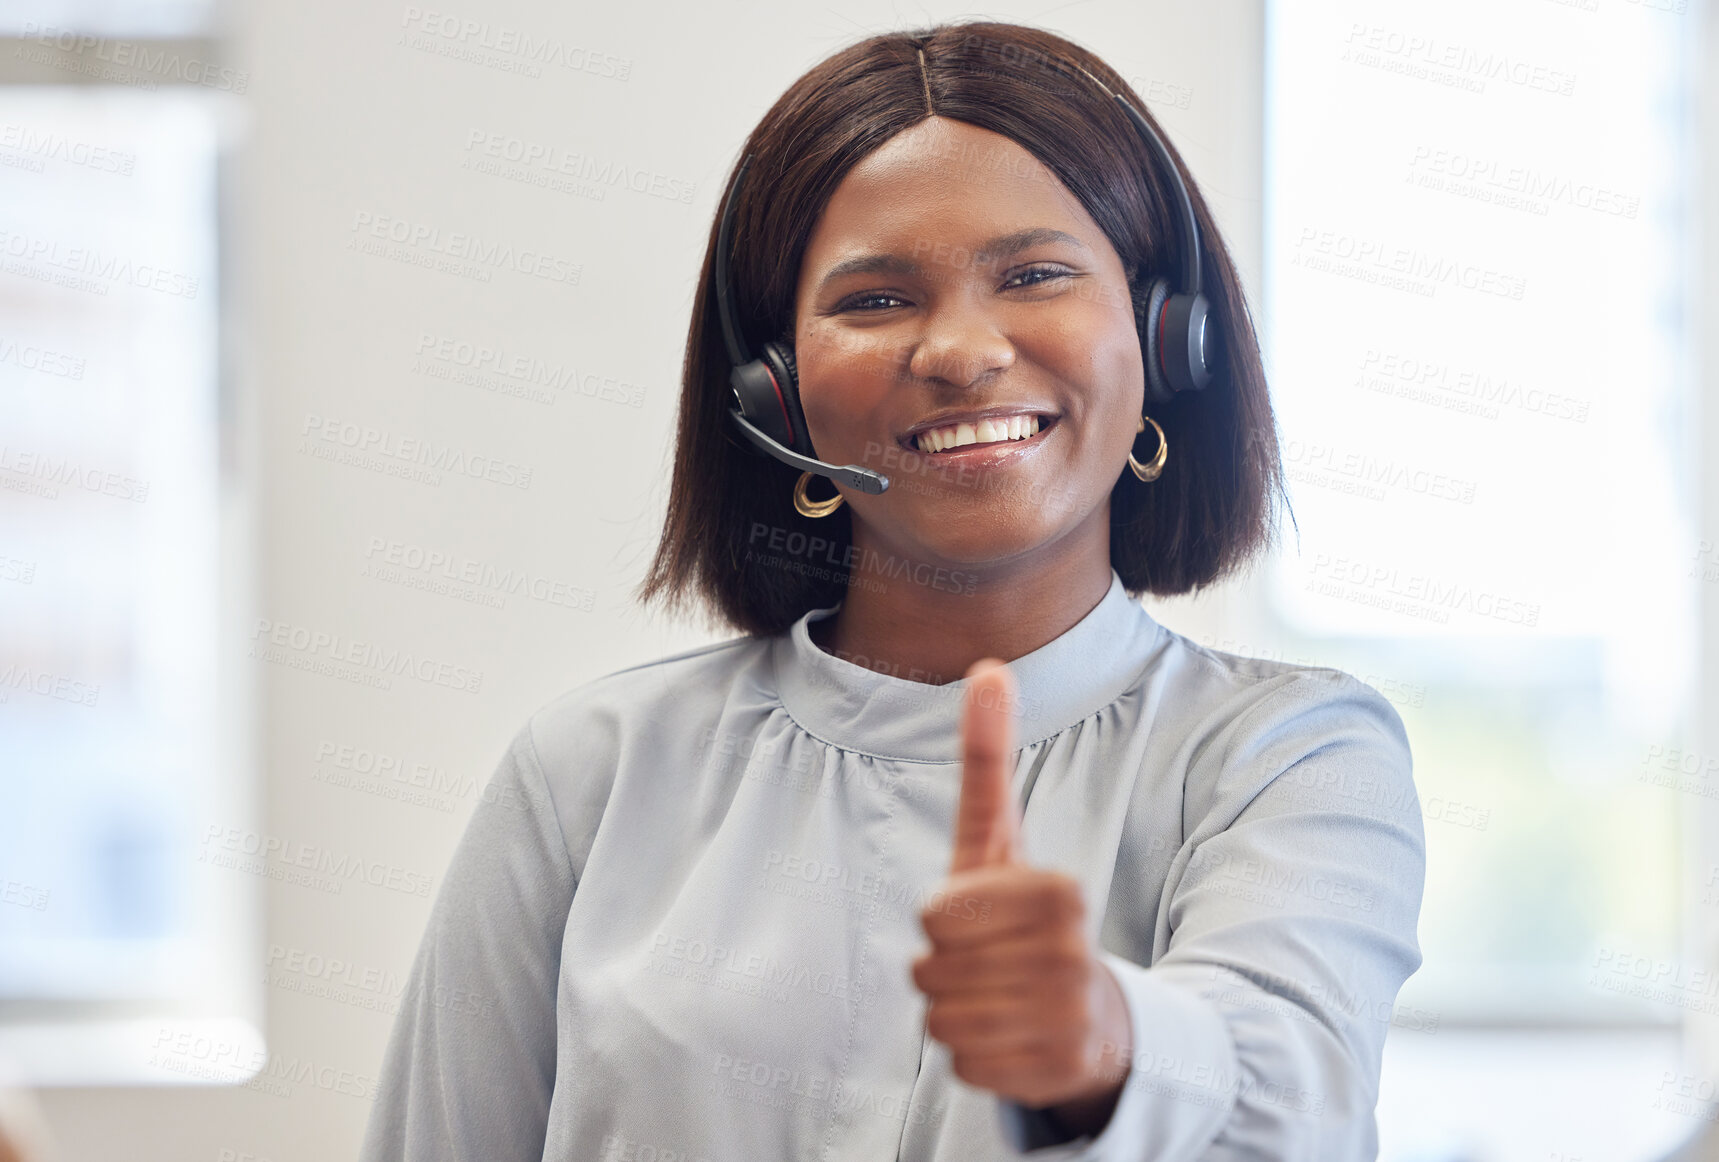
[[839, 389], [1111, 379], [1093, 343], [1125, 373]]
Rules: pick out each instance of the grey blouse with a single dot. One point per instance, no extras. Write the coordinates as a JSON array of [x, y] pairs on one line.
[[680, 924]]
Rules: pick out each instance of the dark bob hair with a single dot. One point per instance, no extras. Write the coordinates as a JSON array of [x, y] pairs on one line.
[[1206, 516]]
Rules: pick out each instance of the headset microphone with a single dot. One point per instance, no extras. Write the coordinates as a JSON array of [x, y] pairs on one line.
[[1179, 346]]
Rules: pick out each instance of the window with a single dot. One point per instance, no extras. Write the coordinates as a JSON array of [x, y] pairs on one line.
[[1476, 229], [121, 726]]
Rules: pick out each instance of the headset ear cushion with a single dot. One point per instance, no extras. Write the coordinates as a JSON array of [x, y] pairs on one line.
[[1188, 342], [1148, 310], [780, 357]]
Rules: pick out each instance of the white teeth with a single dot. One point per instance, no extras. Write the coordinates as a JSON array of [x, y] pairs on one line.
[[986, 431]]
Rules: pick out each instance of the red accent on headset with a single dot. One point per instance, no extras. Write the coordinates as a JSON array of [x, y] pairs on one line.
[[787, 424]]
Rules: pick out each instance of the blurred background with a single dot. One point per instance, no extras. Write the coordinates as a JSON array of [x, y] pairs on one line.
[[339, 354]]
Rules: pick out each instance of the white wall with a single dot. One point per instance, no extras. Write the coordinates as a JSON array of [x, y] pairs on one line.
[[350, 118]]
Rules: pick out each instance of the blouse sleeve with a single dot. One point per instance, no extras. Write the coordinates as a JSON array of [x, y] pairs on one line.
[[1259, 1030], [470, 1062]]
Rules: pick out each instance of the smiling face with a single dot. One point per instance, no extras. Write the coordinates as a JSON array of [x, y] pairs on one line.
[[952, 276]]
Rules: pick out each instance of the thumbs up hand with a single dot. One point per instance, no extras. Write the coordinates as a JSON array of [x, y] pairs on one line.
[[1016, 990]]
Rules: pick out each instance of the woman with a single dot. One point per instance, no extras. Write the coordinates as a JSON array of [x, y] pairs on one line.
[[772, 898]]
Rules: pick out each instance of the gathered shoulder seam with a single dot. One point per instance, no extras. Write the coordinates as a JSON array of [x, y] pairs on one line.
[[536, 763]]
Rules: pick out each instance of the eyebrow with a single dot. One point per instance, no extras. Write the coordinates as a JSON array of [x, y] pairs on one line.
[[999, 247]]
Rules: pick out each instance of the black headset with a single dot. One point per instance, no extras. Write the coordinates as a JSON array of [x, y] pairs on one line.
[[1180, 350]]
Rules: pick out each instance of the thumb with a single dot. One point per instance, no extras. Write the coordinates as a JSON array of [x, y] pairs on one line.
[[986, 819]]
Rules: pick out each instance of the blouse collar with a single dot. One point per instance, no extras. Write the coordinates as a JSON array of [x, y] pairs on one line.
[[1062, 682]]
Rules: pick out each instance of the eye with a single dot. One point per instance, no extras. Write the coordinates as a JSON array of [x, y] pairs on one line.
[[1045, 273], [1049, 273], [853, 304]]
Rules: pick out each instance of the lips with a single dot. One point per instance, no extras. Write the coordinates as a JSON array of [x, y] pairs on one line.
[[910, 438], [992, 452]]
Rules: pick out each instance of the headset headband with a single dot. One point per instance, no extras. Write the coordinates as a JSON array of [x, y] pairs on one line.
[[737, 352], [1184, 208]]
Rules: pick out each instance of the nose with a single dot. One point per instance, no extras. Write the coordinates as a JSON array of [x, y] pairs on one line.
[[960, 344]]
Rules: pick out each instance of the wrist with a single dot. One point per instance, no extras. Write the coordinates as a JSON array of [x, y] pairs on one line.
[[1089, 1111]]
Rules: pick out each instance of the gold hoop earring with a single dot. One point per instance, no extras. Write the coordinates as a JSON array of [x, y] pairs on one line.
[[806, 506], [1149, 472]]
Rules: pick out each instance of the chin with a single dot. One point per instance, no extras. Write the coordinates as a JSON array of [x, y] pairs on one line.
[[981, 542]]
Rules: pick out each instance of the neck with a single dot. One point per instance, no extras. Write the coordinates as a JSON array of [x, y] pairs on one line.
[[931, 626]]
